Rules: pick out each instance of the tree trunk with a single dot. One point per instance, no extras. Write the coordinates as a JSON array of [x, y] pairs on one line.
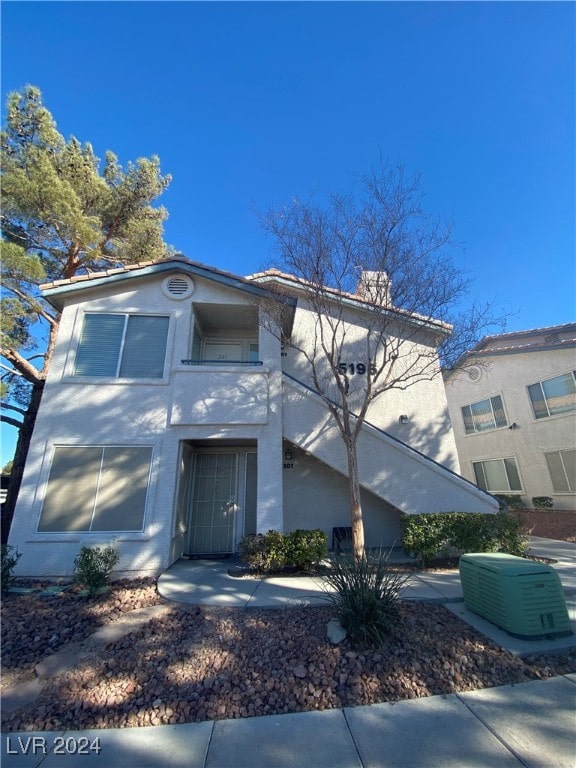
[[22, 446], [355, 503]]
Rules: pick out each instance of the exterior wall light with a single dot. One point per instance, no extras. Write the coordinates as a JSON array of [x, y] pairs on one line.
[[288, 455], [403, 419]]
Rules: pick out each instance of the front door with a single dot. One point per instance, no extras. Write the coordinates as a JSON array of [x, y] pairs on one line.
[[214, 503]]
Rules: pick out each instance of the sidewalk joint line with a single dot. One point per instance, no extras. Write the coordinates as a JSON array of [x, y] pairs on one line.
[[493, 732], [343, 710]]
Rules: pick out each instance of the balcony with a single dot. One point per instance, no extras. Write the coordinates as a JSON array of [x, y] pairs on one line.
[[220, 392]]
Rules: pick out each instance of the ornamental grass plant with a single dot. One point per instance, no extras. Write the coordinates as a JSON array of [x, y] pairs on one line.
[[365, 594]]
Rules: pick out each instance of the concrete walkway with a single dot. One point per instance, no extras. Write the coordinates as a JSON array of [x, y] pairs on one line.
[[530, 724]]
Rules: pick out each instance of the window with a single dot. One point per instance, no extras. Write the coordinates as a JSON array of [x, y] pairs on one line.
[[562, 468], [130, 346], [96, 489], [497, 475], [551, 396], [486, 414]]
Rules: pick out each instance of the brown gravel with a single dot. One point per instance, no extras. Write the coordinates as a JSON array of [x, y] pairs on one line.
[[211, 663], [552, 524]]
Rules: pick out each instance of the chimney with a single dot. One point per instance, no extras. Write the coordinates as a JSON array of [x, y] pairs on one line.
[[374, 287]]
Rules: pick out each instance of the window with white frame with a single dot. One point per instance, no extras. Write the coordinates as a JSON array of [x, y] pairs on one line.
[[497, 475], [95, 488], [562, 468], [122, 346], [484, 415], [552, 396]]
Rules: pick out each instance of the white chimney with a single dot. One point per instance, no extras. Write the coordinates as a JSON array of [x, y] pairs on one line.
[[374, 287]]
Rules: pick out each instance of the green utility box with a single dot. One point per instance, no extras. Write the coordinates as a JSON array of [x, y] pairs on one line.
[[521, 596]]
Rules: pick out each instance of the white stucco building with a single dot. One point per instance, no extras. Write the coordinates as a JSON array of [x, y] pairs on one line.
[[513, 410], [174, 421]]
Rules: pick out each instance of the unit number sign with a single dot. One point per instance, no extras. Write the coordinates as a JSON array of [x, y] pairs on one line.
[[356, 368]]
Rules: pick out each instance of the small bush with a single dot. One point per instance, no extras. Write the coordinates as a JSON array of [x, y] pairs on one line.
[[365, 596], [542, 502], [264, 552], [93, 566], [274, 550], [430, 536], [9, 558], [510, 500], [305, 549]]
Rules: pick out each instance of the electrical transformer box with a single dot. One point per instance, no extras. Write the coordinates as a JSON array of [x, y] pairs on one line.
[[521, 596]]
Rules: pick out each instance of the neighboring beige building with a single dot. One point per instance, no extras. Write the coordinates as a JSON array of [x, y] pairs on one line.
[[173, 422], [512, 404]]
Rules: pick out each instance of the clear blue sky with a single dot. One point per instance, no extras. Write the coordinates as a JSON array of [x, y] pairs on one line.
[[248, 104]]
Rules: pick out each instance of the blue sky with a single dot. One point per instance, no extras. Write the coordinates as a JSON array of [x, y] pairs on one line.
[[248, 104]]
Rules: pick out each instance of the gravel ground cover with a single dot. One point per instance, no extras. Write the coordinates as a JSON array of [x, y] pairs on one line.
[[550, 524], [206, 663]]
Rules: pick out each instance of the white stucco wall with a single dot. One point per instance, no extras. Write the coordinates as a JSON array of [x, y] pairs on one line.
[[508, 375], [423, 401], [387, 468], [316, 496]]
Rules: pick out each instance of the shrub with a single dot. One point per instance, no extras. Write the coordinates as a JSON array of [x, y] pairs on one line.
[[264, 552], [365, 596], [425, 536], [306, 548], [430, 536], [93, 566], [542, 502], [274, 550], [510, 500], [9, 558]]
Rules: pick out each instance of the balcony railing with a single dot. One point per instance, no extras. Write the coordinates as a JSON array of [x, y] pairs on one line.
[[222, 362]]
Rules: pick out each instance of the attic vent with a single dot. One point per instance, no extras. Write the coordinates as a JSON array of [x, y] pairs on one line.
[[178, 286], [474, 373]]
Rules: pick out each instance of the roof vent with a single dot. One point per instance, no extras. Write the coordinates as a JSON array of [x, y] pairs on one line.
[[474, 373], [178, 286]]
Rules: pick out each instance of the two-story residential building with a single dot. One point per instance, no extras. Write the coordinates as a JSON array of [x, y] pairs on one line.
[[175, 420], [513, 410]]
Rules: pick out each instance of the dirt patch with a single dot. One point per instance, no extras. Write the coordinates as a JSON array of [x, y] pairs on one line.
[[208, 663], [550, 524]]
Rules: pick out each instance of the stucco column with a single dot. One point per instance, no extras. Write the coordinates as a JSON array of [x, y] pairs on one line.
[[269, 513]]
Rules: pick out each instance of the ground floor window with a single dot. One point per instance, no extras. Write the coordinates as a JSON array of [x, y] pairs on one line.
[[562, 468], [96, 488], [497, 475]]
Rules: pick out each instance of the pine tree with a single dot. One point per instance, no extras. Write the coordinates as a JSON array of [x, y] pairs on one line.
[[62, 215]]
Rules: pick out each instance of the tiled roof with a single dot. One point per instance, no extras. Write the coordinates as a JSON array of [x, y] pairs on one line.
[[567, 327], [306, 285], [257, 279], [179, 258]]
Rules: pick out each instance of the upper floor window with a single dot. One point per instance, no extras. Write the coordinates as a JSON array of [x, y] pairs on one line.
[[497, 475], [551, 396], [486, 414], [127, 346]]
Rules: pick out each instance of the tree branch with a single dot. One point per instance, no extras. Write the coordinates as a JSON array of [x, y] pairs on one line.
[[22, 365]]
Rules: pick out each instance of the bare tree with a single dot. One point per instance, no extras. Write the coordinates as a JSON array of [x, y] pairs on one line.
[[379, 250]]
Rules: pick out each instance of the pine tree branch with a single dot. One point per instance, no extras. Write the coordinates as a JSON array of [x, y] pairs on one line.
[[23, 366], [9, 420]]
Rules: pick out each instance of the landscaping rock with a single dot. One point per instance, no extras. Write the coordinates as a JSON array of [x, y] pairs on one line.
[[335, 632], [189, 664]]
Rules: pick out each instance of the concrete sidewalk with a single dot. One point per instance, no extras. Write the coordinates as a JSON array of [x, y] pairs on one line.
[[531, 725], [207, 582]]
